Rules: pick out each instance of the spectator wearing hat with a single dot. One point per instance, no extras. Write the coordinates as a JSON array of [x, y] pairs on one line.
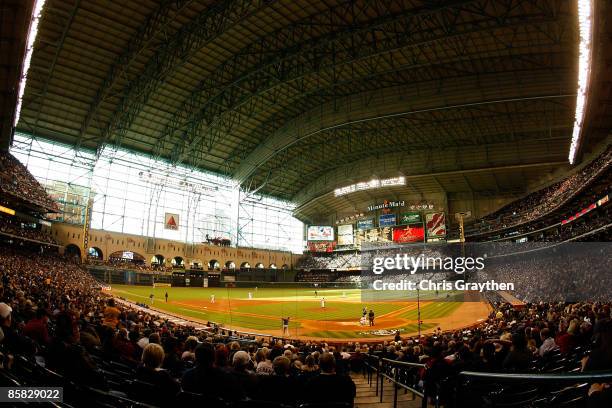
[[12, 339]]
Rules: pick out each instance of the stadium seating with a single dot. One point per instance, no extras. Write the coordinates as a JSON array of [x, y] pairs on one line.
[[111, 359], [65, 331], [17, 181], [542, 202]]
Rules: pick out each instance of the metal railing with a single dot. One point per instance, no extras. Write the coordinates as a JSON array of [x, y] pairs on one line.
[[378, 369], [595, 376]]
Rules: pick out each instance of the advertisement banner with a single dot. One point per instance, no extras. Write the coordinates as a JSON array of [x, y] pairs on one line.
[[409, 233], [321, 246], [171, 221], [436, 224], [410, 218], [579, 214], [345, 235], [320, 233], [386, 220], [375, 235], [365, 224]]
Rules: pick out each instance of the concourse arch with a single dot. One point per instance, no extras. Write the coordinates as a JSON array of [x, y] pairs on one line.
[[95, 253]]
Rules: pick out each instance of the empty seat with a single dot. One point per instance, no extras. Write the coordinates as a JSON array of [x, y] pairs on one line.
[[573, 396]]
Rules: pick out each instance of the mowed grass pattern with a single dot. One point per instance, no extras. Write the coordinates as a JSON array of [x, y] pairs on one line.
[[410, 328], [312, 310], [299, 303], [432, 310]]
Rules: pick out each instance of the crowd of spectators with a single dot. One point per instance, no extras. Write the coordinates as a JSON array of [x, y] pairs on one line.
[[55, 310], [549, 227], [541, 337], [592, 221], [341, 261], [17, 181], [543, 201], [18, 229], [316, 276]]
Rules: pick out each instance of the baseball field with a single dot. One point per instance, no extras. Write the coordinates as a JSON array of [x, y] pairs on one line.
[[327, 314]]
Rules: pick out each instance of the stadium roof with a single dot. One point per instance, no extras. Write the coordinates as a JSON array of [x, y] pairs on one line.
[[294, 98]]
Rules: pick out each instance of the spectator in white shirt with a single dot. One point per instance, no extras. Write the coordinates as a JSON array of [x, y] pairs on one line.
[[548, 342]]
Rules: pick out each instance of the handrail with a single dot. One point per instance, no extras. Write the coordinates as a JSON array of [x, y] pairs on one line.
[[403, 363], [379, 367], [380, 364], [595, 375]]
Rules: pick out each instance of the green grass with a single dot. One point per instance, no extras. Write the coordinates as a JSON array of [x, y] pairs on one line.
[[367, 331], [432, 310], [299, 303], [312, 310]]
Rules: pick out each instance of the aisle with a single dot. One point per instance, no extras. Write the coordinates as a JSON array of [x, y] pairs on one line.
[[366, 396]]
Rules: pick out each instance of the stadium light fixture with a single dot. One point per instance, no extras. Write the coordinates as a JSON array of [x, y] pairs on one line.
[[585, 26], [368, 185], [36, 13]]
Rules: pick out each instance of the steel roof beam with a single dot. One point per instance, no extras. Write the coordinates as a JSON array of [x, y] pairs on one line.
[[59, 45], [289, 45], [288, 164], [171, 54], [160, 18], [219, 101], [326, 118]]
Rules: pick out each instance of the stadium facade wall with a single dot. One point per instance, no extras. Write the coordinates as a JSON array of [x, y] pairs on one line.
[[111, 242]]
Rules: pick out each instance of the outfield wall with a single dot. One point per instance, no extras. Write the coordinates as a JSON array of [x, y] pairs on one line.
[[239, 278]]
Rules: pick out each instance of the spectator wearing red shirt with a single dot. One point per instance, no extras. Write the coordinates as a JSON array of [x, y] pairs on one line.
[[568, 340], [37, 328]]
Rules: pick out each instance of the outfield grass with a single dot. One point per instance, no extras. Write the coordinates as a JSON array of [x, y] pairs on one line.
[[232, 308]]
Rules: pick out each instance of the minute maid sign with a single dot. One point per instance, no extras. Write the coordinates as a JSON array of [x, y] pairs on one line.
[[387, 204]]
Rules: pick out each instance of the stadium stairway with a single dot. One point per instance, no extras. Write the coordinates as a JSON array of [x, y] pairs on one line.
[[366, 395]]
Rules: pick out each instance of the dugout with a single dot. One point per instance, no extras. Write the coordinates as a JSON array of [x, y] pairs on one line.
[[195, 278], [178, 279], [214, 279]]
